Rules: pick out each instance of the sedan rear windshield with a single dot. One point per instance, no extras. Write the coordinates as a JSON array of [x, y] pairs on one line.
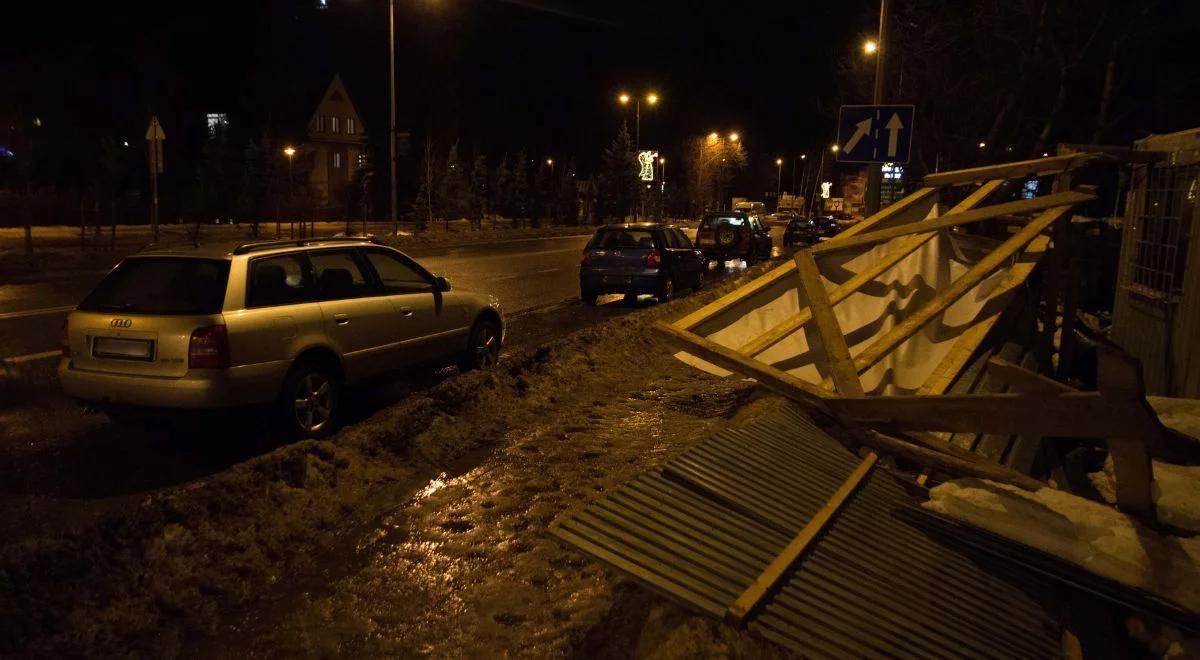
[[162, 285], [722, 221], [622, 239]]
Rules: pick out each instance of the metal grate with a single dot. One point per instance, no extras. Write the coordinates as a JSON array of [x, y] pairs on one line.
[[1161, 218]]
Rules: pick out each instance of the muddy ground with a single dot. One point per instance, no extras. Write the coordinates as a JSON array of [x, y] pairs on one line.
[[420, 530]]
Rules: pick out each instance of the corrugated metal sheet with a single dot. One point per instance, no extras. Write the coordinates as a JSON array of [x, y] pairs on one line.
[[705, 526]]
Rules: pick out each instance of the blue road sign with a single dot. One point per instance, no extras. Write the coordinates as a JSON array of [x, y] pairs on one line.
[[874, 133]]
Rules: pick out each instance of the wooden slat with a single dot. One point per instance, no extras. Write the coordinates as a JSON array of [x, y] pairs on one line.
[[1065, 415], [737, 295], [1120, 380], [908, 202], [1022, 379], [1014, 170], [968, 342], [746, 602], [1063, 199], [833, 340], [976, 274], [860, 279], [951, 464], [776, 380]]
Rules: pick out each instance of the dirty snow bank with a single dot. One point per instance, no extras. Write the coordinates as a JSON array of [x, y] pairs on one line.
[[1091, 535], [152, 580], [1176, 492]]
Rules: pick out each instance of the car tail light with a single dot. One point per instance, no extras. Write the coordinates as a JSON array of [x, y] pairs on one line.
[[653, 259], [586, 259], [209, 348], [64, 343]]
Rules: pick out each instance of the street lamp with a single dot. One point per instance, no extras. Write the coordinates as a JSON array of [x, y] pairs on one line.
[[834, 148], [734, 137], [290, 152], [878, 48], [651, 99], [778, 180], [870, 46]]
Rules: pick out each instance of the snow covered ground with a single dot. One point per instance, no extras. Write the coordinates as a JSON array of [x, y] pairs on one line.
[[417, 530]]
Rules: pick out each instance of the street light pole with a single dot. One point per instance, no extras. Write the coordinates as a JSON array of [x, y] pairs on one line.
[[392, 112], [874, 175], [778, 180]]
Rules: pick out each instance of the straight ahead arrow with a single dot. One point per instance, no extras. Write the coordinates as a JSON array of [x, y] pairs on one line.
[[864, 127], [893, 128]]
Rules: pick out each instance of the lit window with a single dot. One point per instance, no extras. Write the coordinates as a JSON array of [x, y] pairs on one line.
[[337, 157], [333, 124], [349, 126], [216, 121], [362, 161]]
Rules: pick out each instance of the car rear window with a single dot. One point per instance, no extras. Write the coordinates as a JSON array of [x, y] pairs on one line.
[[622, 239], [722, 221], [162, 285]]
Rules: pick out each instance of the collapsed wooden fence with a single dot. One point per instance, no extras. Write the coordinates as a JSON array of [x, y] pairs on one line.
[[1037, 406]]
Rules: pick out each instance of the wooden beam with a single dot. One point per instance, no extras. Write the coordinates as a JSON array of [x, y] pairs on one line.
[[974, 275], [907, 203], [737, 295], [1120, 380], [776, 380], [947, 463], [833, 340], [1022, 379], [749, 599], [956, 219], [1014, 170], [860, 279], [968, 342], [1064, 415]]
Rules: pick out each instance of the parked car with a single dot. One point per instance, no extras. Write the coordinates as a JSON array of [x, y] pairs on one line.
[[733, 234], [289, 324], [643, 258], [780, 218], [807, 231]]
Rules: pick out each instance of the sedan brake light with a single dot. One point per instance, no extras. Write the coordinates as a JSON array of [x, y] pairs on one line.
[[653, 259], [209, 348]]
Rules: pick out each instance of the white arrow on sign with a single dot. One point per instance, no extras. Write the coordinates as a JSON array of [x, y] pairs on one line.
[[864, 127], [893, 128]]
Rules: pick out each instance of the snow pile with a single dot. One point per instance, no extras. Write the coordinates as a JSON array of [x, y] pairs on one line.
[[1176, 492], [1182, 415], [1091, 535]]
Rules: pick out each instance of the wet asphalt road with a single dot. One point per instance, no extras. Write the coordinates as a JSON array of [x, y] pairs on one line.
[[525, 274]]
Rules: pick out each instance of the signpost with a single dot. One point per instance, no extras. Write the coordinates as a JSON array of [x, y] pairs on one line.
[[154, 140], [875, 133]]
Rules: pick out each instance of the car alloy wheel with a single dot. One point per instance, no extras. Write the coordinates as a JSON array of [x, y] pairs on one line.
[[313, 403], [484, 352], [667, 291]]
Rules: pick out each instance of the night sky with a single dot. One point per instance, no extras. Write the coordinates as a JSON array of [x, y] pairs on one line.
[[498, 75]]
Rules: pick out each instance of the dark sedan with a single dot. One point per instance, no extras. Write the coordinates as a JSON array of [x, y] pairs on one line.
[[808, 231], [644, 258]]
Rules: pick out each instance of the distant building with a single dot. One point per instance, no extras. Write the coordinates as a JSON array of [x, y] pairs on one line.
[[333, 145], [1156, 313]]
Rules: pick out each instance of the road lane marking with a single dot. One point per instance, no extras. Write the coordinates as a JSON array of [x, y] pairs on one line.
[[32, 357], [519, 275], [36, 312]]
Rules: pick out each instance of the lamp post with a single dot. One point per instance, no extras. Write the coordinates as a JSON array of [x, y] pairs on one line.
[[662, 186], [651, 99], [878, 49], [392, 113], [290, 152], [778, 180]]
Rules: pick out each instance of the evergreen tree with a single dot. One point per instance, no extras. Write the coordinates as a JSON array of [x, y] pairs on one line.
[[520, 189], [567, 204], [479, 191], [502, 190], [454, 190], [618, 176], [538, 206], [253, 189]]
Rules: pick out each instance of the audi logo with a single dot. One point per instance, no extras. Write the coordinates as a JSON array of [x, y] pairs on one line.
[[121, 323]]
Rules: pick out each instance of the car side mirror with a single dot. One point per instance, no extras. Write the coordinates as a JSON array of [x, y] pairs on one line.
[[441, 284]]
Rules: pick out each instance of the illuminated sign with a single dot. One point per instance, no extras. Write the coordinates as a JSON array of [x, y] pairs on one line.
[[826, 188], [646, 160], [892, 172]]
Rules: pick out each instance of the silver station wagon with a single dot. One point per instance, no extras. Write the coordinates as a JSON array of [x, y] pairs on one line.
[[285, 323]]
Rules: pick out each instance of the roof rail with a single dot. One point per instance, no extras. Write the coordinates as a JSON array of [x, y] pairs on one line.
[[246, 248]]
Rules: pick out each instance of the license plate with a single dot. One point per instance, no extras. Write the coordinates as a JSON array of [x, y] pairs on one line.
[[123, 349], [617, 280]]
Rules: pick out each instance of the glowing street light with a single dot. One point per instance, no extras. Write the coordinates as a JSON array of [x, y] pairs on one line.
[[651, 99], [289, 151], [550, 162], [734, 137], [870, 47], [778, 179], [983, 145], [834, 148], [713, 137]]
